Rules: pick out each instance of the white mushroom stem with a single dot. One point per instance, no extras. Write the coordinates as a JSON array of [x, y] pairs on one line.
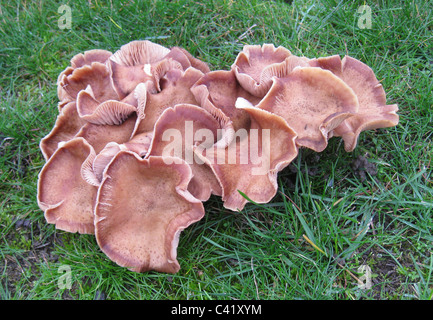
[[242, 103], [147, 69], [227, 137]]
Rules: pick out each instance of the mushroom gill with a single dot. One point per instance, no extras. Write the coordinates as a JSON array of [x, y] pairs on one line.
[[131, 65]]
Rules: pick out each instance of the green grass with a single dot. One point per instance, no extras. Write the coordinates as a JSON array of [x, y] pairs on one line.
[[324, 223]]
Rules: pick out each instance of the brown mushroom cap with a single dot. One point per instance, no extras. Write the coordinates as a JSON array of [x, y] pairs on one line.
[[176, 132], [67, 125], [255, 175], [65, 197], [63, 96], [217, 92], [94, 166], [175, 89], [373, 112], [313, 101], [86, 58], [126, 78], [255, 66], [142, 206], [78, 61], [187, 59], [140, 143], [110, 112], [99, 135], [96, 75]]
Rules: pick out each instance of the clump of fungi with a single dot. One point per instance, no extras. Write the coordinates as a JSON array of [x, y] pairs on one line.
[[144, 136]]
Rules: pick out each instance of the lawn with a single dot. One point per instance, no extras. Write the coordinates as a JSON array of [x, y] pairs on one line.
[[336, 214]]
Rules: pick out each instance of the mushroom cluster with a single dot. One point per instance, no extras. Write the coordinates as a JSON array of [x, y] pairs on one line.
[[145, 135]]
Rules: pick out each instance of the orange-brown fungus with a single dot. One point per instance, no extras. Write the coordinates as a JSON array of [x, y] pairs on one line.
[[145, 135]]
